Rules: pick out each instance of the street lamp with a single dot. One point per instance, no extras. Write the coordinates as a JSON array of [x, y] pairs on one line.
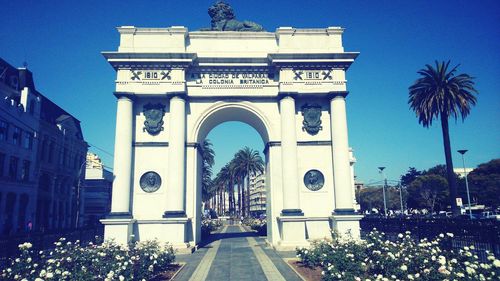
[[401, 197], [383, 188], [78, 195], [463, 151]]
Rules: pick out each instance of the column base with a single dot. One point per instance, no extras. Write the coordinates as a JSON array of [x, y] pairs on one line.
[[293, 233], [318, 228], [342, 212], [119, 215], [118, 229], [291, 212], [347, 224], [174, 214], [167, 230]]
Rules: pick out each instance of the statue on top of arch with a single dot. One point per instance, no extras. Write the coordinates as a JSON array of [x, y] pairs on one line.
[[223, 19]]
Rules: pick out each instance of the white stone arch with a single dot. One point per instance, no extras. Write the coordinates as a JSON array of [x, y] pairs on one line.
[[224, 111], [264, 79]]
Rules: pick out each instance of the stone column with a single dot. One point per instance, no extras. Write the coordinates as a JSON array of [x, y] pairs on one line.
[[344, 218], [177, 162], [118, 224], [291, 204], [341, 163], [120, 205]]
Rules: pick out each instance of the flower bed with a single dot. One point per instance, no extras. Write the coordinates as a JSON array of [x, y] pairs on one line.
[[72, 261], [259, 225], [208, 225], [377, 258]]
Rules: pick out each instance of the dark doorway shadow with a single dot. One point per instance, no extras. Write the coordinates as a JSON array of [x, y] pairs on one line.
[[226, 235]]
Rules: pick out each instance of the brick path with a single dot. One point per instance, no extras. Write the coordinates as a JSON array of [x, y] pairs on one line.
[[234, 254]]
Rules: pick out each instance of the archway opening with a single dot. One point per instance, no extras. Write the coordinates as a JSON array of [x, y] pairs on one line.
[[235, 187]]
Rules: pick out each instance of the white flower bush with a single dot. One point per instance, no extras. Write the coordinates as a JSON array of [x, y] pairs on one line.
[[73, 261], [377, 258], [259, 225], [209, 225]]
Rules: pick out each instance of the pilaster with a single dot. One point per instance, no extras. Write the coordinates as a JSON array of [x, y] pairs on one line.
[[175, 206]]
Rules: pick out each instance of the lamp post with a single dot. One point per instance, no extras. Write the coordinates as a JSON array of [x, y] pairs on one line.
[[78, 194], [401, 197], [383, 188], [463, 151]]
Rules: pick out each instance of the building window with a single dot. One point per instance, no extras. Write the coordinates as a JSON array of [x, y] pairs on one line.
[[4, 130], [28, 140], [13, 167], [2, 164], [51, 152], [16, 136], [25, 172], [32, 107]]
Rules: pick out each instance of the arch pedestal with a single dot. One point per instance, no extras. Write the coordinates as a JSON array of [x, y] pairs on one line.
[[170, 99]]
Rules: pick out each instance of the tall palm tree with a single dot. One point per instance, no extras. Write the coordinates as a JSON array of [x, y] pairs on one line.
[[440, 93], [208, 155], [250, 163]]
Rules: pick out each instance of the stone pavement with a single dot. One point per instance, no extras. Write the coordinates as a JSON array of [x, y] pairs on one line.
[[235, 254]]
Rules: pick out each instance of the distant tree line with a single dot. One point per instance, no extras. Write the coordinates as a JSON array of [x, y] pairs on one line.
[[228, 193], [428, 189]]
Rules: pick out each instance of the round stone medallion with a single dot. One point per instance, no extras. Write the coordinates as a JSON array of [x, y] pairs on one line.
[[314, 180], [150, 181]]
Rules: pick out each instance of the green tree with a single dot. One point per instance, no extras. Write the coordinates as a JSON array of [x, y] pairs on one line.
[[208, 156], [440, 94], [372, 197], [410, 176], [428, 191], [484, 183], [249, 163]]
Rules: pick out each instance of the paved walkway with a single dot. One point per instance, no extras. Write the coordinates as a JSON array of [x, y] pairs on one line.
[[235, 254]]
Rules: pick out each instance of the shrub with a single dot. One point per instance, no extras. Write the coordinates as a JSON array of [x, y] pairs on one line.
[[209, 225], [377, 258], [72, 261], [259, 225]]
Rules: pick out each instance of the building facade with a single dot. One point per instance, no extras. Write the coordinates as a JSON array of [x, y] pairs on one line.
[[41, 149], [19, 126], [258, 195], [96, 191]]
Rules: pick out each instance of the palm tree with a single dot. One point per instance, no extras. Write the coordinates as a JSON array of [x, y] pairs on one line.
[[249, 163], [208, 155], [439, 93]]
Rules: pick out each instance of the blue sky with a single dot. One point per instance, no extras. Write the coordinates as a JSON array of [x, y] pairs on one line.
[[62, 41]]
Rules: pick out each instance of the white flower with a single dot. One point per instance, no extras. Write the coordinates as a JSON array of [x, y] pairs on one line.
[[121, 278], [400, 235], [450, 234], [443, 270], [496, 263], [441, 260], [470, 270], [50, 275], [404, 268]]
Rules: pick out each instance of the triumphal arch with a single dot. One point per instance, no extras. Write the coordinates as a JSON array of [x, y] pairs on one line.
[[173, 86]]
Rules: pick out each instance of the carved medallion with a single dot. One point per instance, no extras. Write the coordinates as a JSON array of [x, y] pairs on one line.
[[312, 118], [314, 180], [154, 118], [150, 181]]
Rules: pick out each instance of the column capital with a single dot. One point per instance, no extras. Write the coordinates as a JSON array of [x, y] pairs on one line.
[[338, 94], [129, 95], [177, 95], [284, 95]]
